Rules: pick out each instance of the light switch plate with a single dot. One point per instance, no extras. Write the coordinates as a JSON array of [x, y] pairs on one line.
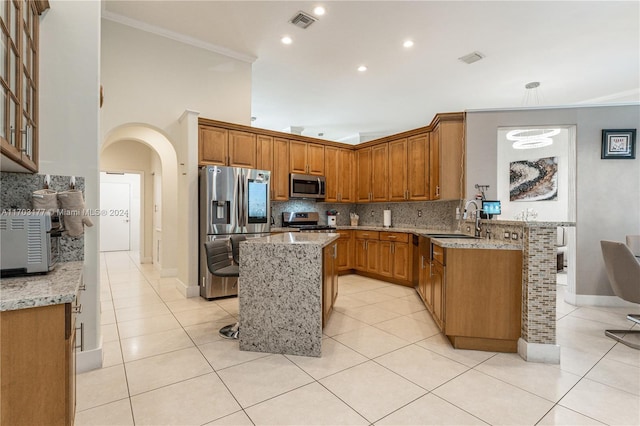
[[507, 235]]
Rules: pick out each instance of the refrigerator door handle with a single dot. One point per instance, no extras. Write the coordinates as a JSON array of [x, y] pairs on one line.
[[243, 201], [238, 201]]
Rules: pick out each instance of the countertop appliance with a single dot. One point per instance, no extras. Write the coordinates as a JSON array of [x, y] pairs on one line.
[[305, 222], [306, 186], [29, 243], [232, 201]]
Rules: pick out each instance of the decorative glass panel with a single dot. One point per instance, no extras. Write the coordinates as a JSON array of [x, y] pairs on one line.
[[3, 112], [12, 122], [26, 100], [3, 56], [3, 11], [14, 15], [13, 81]]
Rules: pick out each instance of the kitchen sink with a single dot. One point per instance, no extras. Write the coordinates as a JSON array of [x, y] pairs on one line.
[[457, 236]]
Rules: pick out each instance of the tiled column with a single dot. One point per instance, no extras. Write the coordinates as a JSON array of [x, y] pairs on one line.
[[538, 340]]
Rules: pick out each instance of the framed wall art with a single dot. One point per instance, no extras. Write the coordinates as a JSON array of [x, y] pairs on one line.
[[618, 144]]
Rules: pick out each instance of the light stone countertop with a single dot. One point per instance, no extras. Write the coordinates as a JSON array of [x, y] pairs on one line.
[[58, 286], [473, 243], [307, 238]]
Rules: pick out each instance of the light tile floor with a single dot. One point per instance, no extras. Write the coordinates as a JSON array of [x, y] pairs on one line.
[[384, 362]]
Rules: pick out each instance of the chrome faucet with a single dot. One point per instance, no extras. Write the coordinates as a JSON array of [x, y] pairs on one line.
[[478, 228]]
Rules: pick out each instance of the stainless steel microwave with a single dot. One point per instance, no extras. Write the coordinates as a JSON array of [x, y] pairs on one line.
[[306, 186], [28, 244]]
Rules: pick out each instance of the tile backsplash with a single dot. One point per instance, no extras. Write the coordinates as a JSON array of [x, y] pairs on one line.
[[15, 193], [433, 214]]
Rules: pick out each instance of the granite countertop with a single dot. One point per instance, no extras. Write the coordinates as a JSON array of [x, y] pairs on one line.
[[307, 238], [475, 243], [58, 286]]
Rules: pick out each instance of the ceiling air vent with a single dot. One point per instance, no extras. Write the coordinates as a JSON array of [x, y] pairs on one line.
[[471, 57], [302, 20]]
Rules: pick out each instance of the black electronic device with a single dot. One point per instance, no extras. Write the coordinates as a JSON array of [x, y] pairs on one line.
[[490, 208]]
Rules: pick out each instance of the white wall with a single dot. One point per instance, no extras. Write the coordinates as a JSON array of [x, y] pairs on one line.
[[131, 156], [152, 80], [69, 131], [616, 183]]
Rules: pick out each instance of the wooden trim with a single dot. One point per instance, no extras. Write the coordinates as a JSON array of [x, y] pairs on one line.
[[480, 344]]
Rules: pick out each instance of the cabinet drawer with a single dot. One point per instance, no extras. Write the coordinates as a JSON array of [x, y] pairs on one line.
[[344, 235], [367, 235], [399, 237], [438, 254]]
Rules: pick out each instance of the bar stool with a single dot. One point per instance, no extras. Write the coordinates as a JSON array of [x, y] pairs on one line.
[[221, 265]]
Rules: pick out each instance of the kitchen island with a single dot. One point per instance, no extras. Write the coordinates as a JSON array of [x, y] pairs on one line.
[[282, 278]]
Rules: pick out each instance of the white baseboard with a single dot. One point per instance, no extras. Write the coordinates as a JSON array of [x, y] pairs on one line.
[[538, 352], [187, 290], [88, 360], [168, 272], [592, 300]]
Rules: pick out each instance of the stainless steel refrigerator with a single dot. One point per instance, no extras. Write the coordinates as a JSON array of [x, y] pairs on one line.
[[232, 201]]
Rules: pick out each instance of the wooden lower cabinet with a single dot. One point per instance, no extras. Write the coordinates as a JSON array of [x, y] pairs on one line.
[[476, 297], [345, 251], [329, 280], [37, 366], [395, 256]]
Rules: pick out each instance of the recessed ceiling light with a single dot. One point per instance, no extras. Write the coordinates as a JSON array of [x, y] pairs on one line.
[[408, 43], [318, 10], [362, 68], [286, 40]]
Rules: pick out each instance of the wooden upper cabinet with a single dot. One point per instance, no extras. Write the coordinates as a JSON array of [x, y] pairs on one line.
[[398, 170], [346, 175], [339, 174], [242, 149], [280, 173], [363, 175], [434, 165], [19, 33], [264, 153], [331, 173], [222, 147], [380, 172], [418, 167], [306, 158], [213, 144], [452, 163]]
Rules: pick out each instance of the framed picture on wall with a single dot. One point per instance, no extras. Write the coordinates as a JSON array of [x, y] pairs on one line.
[[618, 144]]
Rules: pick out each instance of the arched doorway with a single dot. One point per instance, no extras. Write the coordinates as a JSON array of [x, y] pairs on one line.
[[165, 238]]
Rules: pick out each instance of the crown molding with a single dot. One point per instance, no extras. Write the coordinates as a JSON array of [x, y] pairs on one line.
[[130, 22]]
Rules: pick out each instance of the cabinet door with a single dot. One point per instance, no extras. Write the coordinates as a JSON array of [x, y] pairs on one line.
[[434, 164], [346, 175], [71, 377], [385, 259], [280, 172], [373, 250], [451, 159], [264, 153], [401, 262], [363, 181], [298, 157], [343, 261], [418, 167], [437, 281], [242, 149], [213, 143], [315, 159], [360, 258], [331, 155], [398, 170], [380, 172]]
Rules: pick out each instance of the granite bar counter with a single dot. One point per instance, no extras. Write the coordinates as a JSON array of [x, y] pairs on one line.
[[58, 286], [280, 293]]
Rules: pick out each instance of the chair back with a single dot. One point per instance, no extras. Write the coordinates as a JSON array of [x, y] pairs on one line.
[[235, 247], [217, 255], [633, 241], [623, 270]]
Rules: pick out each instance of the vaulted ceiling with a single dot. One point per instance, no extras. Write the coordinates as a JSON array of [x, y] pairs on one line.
[[581, 52]]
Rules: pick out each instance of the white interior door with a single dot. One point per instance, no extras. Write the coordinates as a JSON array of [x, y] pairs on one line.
[[115, 216]]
